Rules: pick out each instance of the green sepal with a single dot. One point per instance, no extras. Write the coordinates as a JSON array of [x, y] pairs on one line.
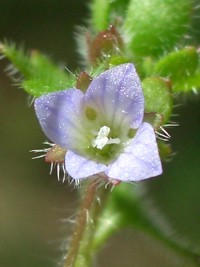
[[147, 67], [117, 60], [153, 27], [165, 150], [155, 119], [158, 98], [100, 67], [180, 67]]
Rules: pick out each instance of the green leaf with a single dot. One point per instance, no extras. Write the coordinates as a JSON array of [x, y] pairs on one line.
[[180, 67], [40, 87], [100, 14], [126, 201], [178, 64], [118, 7], [103, 13], [17, 56], [40, 74], [154, 26], [172, 201], [192, 83], [110, 222], [158, 98]]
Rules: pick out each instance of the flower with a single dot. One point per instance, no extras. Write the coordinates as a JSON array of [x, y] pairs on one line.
[[102, 129]]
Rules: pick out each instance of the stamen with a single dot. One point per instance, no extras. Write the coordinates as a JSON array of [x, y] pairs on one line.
[[102, 138], [113, 141]]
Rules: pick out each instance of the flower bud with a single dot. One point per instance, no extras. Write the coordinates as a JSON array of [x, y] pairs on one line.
[[83, 81], [106, 43], [56, 154]]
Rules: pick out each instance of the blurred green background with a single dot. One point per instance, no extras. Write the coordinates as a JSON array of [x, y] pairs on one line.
[[34, 206]]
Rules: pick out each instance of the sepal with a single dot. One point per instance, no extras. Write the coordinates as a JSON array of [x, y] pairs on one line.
[[158, 97]]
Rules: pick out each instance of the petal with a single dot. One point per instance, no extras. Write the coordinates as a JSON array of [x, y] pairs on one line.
[[117, 94], [59, 116], [79, 167], [140, 160]]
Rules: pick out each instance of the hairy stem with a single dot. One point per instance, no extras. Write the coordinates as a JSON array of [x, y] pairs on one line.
[[81, 224]]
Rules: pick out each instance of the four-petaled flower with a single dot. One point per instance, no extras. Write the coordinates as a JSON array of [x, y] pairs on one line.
[[103, 129]]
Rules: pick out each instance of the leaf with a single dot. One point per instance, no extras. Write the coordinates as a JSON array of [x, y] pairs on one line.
[[41, 76], [127, 202], [190, 83], [99, 15], [153, 27], [103, 13], [17, 56], [178, 64], [172, 201], [181, 67]]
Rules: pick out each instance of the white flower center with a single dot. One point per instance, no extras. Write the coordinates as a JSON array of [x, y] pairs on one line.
[[102, 138]]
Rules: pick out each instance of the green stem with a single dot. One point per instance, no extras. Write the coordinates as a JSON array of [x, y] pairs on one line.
[[90, 209], [80, 226], [87, 251]]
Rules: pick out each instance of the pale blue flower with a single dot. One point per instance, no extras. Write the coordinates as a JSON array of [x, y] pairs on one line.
[[102, 129]]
